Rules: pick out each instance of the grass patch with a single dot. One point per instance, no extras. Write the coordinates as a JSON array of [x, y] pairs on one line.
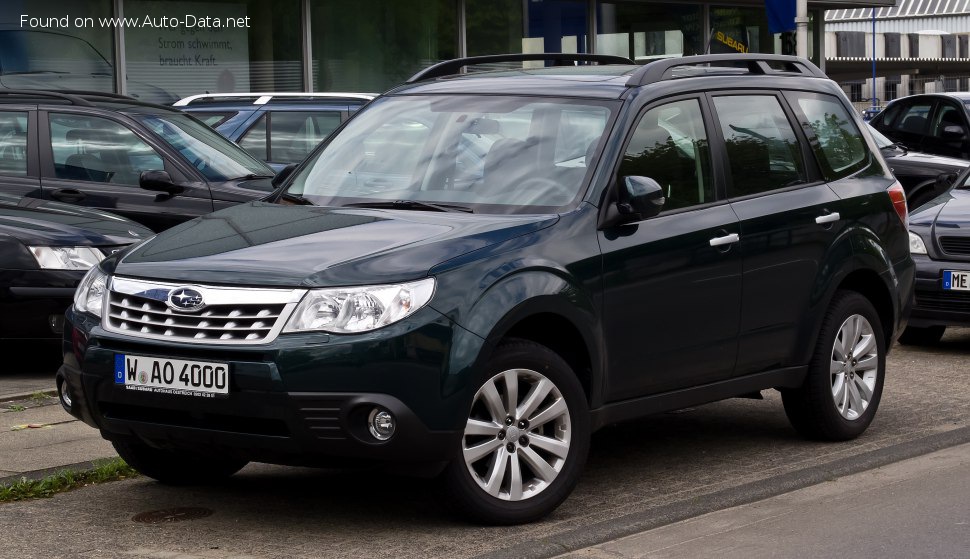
[[40, 396], [66, 480], [16, 407]]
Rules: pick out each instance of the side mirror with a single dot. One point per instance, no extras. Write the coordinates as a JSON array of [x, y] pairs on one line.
[[953, 132], [158, 181], [284, 174], [640, 197]]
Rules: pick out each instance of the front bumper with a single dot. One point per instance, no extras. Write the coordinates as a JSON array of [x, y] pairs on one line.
[[32, 302], [303, 399], [935, 306]]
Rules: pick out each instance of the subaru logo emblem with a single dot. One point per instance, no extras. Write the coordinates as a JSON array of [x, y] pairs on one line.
[[185, 299]]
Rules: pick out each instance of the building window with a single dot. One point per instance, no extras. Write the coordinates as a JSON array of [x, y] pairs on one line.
[[370, 45], [500, 26], [56, 56], [644, 31], [855, 92], [167, 63], [892, 88]]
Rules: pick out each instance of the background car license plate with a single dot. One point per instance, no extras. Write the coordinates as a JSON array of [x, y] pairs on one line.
[[172, 376], [959, 281]]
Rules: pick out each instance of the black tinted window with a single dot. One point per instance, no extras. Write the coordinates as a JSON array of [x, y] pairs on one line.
[[763, 151], [914, 119], [13, 143]]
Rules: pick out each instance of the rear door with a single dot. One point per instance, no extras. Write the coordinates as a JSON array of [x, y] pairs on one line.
[[18, 151], [787, 216], [672, 283]]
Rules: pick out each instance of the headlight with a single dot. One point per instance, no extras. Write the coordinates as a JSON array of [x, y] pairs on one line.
[[346, 310], [916, 245], [67, 258], [89, 295]]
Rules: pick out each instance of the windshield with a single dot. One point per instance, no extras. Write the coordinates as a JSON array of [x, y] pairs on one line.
[[29, 52], [881, 141], [215, 157], [490, 154]]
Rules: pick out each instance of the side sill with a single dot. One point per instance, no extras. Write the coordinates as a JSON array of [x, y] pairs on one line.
[[618, 412]]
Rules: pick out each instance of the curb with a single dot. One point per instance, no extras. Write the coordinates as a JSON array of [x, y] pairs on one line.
[[655, 517], [26, 395], [36, 475]]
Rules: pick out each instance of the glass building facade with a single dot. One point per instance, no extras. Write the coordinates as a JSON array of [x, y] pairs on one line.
[[347, 45]]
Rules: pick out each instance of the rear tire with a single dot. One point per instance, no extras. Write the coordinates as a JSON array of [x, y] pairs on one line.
[[922, 336], [844, 382], [525, 441], [177, 467]]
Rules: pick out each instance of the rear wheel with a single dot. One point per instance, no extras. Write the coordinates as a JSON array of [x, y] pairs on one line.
[[922, 336], [177, 467], [843, 386], [525, 440]]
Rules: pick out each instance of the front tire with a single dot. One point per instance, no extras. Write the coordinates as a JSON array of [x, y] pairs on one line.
[[177, 467], [525, 440], [844, 382]]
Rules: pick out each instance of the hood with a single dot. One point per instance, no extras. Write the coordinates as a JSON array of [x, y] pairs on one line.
[[289, 246], [37, 222], [950, 214]]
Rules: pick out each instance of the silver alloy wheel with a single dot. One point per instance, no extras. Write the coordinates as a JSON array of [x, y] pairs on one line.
[[855, 362], [517, 436]]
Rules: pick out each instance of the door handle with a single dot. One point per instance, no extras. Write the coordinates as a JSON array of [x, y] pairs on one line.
[[828, 218], [67, 195], [725, 240]]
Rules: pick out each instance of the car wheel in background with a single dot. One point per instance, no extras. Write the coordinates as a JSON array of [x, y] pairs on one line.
[[525, 440], [843, 386], [929, 335]]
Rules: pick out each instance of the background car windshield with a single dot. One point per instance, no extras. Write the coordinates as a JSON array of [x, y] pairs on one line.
[[215, 157], [498, 155], [881, 140]]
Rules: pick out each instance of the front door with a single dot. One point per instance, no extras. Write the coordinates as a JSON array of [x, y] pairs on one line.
[[672, 283]]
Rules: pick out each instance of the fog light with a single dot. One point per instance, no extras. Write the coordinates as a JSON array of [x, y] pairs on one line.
[[381, 424]]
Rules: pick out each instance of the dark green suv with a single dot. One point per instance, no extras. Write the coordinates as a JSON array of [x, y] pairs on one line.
[[479, 270]]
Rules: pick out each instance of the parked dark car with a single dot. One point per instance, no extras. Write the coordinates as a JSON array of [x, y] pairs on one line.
[[278, 128], [150, 163], [924, 176], [45, 249], [939, 234], [935, 123], [636, 239]]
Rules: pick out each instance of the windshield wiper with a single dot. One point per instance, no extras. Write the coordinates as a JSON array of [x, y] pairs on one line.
[[411, 205], [296, 199]]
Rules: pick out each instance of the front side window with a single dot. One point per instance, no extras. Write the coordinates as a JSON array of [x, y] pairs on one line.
[[947, 116], [490, 154], [13, 143], [91, 148], [763, 151], [670, 146], [840, 149], [914, 118], [294, 134]]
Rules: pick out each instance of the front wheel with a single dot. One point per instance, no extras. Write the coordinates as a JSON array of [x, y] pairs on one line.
[[525, 440], [844, 382], [177, 467]]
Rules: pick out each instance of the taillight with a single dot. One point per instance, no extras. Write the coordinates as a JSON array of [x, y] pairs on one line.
[[898, 196]]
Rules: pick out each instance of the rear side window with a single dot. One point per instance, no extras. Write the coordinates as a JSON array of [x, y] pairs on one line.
[[13, 143], [763, 151], [840, 148]]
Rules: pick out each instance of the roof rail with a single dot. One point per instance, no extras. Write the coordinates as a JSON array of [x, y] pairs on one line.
[[263, 98], [109, 95], [756, 64], [452, 67], [74, 99]]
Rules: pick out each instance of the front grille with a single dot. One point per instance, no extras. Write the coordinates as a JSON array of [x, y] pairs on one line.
[[953, 301], [955, 245], [229, 315]]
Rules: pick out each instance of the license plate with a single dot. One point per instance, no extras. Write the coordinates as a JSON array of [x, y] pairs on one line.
[[172, 376], [957, 281]]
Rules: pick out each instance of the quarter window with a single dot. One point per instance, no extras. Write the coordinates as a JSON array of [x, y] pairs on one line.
[[840, 149], [90, 148], [763, 152], [670, 146], [13, 143]]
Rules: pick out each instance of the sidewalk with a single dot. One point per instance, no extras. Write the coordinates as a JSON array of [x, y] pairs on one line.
[[43, 438], [913, 508], [20, 386]]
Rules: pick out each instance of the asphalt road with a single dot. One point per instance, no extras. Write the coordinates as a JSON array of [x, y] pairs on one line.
[[640, 476]]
